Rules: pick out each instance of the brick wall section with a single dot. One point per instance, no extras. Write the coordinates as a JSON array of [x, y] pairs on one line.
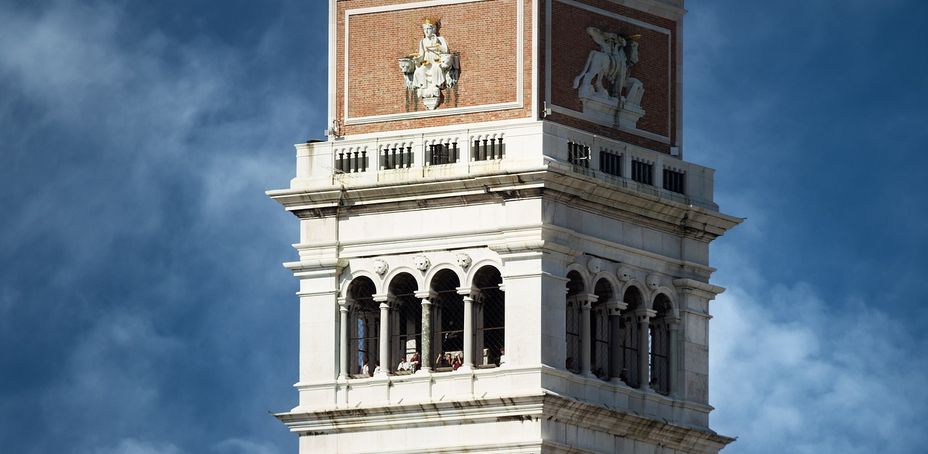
[[485, 34], [656, 68]]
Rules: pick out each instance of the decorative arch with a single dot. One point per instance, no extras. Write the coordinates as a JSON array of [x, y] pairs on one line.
[[670, 294], [416, 274], [476, 266], [435, 269], [350, 277]]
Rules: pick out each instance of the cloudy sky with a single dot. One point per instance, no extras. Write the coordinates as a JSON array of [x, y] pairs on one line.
[[143, 309]]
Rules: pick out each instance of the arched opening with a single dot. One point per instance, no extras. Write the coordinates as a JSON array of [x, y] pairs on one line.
[[600, 330], [448, 312], [575, 287], [630, 332], [363, 328], [489, 317], [660, 344], [405, 324]]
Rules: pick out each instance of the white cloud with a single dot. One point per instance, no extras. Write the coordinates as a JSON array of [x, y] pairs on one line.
[[133, 446], [794, 370], [243, 446]]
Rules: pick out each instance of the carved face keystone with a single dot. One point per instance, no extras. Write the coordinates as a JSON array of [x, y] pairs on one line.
[[422, 262]]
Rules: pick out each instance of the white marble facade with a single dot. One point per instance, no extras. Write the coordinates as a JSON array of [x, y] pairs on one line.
[[539, 222], [600, 279]]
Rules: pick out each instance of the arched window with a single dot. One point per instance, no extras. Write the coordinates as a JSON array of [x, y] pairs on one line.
[[575, 287], [660, 344], [363, 328], [489, 317], [448, 310], [405, 325], [630, 332], [600, 335]]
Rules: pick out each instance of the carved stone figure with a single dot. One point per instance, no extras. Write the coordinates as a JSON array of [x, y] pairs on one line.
[[610, 66], [432, 68]]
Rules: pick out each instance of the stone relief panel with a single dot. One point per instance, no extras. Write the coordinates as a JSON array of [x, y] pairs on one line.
[[612, 67], [407, 60], [605, 86]]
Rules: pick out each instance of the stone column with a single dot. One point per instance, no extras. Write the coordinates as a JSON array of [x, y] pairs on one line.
[[644, 367], [384, 336], [343, 340], [468, 333], [585, 305], [426, 336]]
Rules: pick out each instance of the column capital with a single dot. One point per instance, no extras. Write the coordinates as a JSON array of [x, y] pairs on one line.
[[645, 314], [616, 307], [344, 304], [384, 298], [426, 295]]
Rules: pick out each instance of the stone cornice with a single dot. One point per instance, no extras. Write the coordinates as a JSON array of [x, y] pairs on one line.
[[542, 405], [554, 181]]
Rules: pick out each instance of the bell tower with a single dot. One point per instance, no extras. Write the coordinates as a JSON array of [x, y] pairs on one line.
[[501, 246]]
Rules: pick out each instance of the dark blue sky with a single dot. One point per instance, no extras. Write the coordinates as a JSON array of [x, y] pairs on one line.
[[143, 308]]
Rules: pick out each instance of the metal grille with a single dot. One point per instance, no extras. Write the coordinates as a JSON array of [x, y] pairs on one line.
[[490, 318]]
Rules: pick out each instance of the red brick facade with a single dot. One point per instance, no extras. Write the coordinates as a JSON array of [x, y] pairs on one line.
[[484, 32], [656, 68]]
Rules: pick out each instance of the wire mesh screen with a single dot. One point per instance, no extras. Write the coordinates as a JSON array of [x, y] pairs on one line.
[[599, 327], [448, 307], [490, 320], [572, 318], [630, 332], [406, 325], [630, 359], [660, 345], [363, 328]]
